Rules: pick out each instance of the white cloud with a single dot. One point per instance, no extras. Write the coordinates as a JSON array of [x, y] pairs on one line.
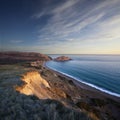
[[66, 6]]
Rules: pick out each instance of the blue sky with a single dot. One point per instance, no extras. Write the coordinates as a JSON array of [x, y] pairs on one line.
[[60, 26]]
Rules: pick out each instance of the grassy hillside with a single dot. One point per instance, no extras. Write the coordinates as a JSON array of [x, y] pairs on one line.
[[16, 106]]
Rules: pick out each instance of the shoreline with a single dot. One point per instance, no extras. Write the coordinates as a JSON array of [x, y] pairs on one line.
[[39, 92], [71, 94], [84, 86]]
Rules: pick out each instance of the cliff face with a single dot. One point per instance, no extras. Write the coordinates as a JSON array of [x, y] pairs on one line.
[[17, 106], [34, 85], [16, 57], [38, 86], [49, 85], [62, 58]]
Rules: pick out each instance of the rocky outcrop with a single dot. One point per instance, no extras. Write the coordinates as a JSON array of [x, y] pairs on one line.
[[62, 58], [34, 85], [16, 57]]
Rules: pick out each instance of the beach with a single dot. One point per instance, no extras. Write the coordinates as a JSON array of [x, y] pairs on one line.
[[86, 97], [94, 92]]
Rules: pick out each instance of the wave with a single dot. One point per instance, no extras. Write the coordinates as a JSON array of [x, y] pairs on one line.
[[89, 84]]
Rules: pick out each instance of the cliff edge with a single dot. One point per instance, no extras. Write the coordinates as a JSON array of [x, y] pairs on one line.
[[35, 84]]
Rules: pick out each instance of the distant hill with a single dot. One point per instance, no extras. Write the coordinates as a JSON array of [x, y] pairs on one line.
[[16, 57]]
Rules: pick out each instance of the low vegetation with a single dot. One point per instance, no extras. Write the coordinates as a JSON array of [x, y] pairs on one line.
[[17, 106], [61, 99]]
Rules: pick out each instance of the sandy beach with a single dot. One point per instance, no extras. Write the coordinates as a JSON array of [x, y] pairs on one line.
[[87, 98], [93, 91]]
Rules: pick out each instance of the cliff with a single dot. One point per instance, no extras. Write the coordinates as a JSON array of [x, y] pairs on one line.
[[45, 94], [35, 84], [62, 58], [25, 106], [47, 84], [17, 57]]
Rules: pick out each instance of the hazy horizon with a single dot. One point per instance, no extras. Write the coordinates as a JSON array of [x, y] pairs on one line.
[[58, 53], [60, 27]]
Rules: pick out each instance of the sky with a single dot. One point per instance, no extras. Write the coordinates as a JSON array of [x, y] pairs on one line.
[[60, 26]]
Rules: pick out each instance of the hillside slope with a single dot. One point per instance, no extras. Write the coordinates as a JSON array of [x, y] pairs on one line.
[[17, 57], [19, 106]]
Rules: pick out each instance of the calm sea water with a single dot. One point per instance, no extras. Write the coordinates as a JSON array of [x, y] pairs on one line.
[[99, 71]]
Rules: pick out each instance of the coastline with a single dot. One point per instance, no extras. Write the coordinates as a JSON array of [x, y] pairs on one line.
[[72, 94], [92, 90], [31, 85]]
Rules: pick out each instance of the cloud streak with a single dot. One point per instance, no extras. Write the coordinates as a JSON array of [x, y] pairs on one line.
[[69, 19], [61, 26], [75, 25]]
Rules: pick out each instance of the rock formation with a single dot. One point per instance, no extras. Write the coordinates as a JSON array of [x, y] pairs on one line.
[[34, 85], [62, 58]]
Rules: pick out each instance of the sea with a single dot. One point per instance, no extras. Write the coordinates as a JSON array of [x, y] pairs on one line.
[[99, 71]]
